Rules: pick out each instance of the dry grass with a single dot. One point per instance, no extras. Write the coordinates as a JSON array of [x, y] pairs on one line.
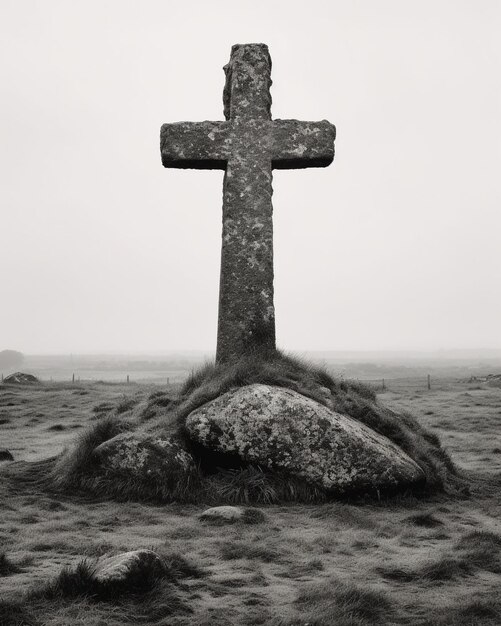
[[303, 563], [343, 604]]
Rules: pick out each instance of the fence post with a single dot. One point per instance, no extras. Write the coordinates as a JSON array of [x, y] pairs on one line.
[[127, 378], [429, 382], [73, 378], [384, 385]]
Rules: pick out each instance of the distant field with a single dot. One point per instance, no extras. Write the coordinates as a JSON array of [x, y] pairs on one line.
[[401, 561], [406, 371]]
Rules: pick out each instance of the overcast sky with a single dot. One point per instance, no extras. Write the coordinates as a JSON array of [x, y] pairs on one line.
[[396, 245]]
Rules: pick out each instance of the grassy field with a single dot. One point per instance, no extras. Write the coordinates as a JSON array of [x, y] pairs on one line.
[[399, 561]]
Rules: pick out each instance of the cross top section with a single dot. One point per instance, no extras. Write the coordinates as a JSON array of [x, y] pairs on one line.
[[246, 93]]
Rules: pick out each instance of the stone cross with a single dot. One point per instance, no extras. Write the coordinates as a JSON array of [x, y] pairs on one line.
[[247, 146]]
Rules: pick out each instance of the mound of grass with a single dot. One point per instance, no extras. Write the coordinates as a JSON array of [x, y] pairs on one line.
[[212, 380], [163, 414], [344, 396]]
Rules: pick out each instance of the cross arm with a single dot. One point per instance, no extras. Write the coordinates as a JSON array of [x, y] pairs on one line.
[[298, 144], [195, 145]]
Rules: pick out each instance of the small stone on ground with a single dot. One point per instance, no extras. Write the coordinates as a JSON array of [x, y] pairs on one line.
[[222, 514], [127, 565]]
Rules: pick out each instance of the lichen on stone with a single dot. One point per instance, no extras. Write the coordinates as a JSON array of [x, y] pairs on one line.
[[280, 429]]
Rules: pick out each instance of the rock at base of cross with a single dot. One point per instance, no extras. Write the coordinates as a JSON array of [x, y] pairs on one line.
[[145, 457], [282, 430]]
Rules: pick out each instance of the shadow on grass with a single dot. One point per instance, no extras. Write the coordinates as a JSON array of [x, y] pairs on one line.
[[7, 567]]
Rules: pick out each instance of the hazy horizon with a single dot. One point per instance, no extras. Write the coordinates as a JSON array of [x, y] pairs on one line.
[[453, 354], [395, 246]]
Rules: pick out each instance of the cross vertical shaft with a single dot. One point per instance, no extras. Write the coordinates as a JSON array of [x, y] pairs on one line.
[[246, 320]]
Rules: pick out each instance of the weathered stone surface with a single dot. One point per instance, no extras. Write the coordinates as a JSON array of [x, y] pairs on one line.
[[143, 456], [248, 145], [222, 514], [282, 430], [121, 568], [5, 455]]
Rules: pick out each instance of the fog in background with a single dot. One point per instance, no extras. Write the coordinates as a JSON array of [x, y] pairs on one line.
[[395, 246]]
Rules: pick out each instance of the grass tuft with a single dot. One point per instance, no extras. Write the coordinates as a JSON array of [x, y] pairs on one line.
[[7, 567], [16, 613], [178, 567], [253, 516], [249, 550], [79, 462], [482, 549], [254, 485], [148, 597], [342, 604], [81, 581], [425, 520], [441, 569], [126, 404], [475, 612], [70, 583]]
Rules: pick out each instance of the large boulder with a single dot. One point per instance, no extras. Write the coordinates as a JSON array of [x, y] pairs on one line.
[[280, 429], [142, 456]]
